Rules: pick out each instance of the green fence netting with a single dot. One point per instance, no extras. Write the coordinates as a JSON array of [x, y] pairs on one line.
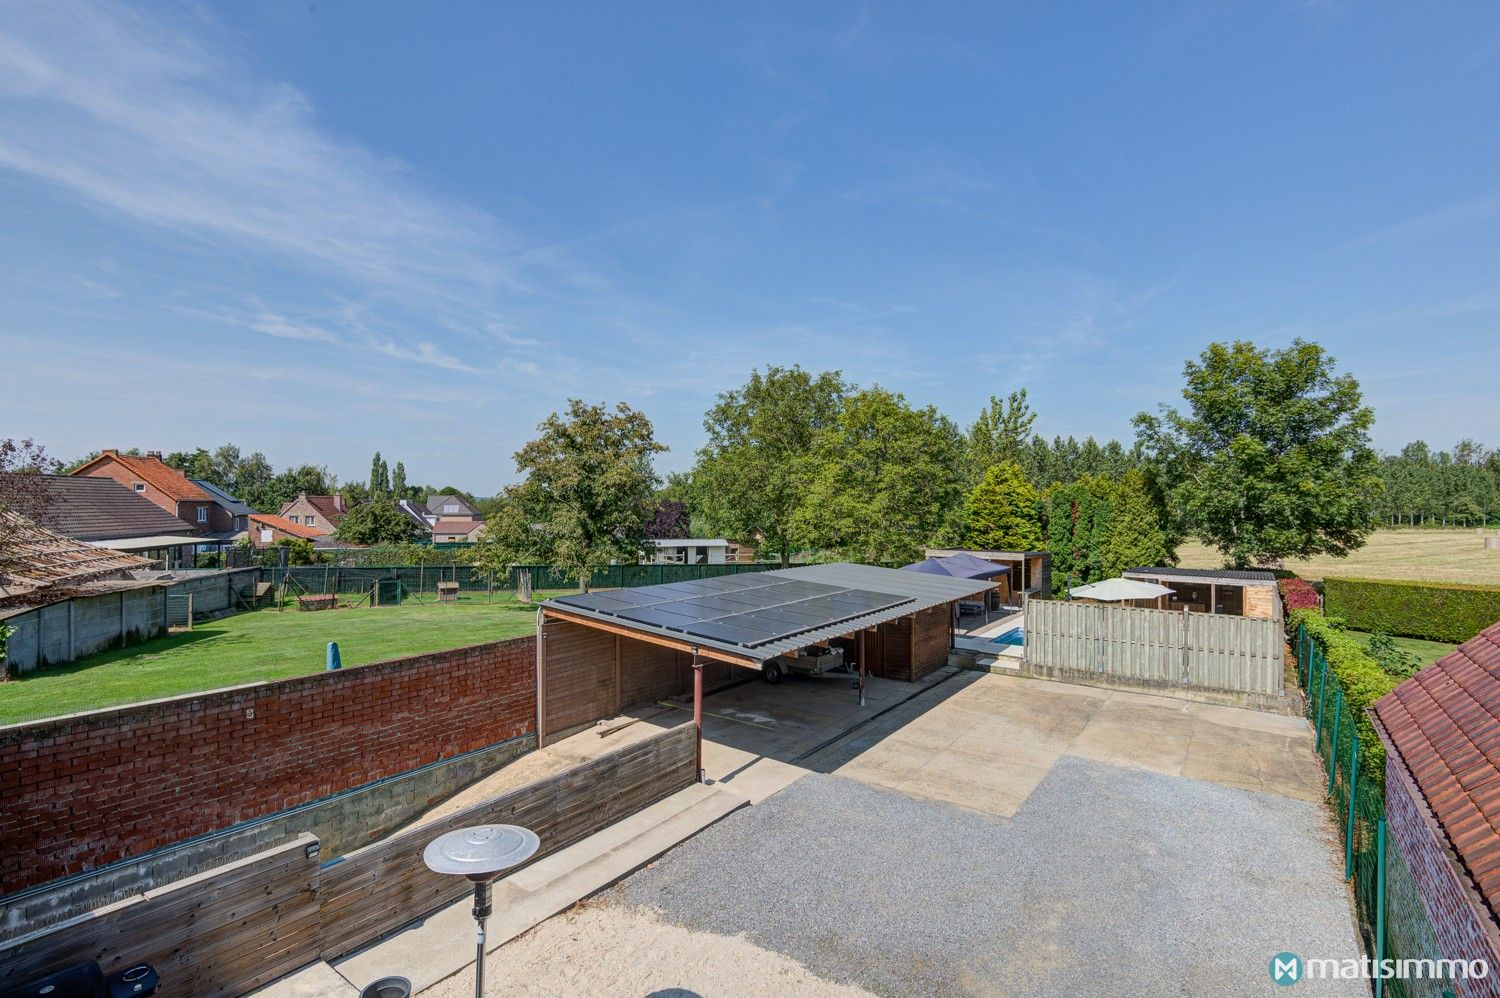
[[1392, 921]]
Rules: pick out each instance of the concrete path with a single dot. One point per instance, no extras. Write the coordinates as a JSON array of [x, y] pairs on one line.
[[442, 944]]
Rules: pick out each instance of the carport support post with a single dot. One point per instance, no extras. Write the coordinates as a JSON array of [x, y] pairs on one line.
[[698, 710], [863, 644]]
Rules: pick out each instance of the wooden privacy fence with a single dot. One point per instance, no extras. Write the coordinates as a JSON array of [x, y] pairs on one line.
[[1212, 651], [234, 928]]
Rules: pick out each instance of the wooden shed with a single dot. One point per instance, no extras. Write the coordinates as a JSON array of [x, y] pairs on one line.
[[602, 653], [1215, 590]]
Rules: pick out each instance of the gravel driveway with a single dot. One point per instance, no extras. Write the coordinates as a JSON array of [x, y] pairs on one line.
[[1109, 880]]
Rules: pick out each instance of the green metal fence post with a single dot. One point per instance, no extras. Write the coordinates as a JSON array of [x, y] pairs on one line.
[[1379, 906], [1322, 688], [1333, 743], [1353, 792], [1302, 655]]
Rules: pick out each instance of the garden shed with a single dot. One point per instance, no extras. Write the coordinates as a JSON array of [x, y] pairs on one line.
[[1227, 591], [602, 653]]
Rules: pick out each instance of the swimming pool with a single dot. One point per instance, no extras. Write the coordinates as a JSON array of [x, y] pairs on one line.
[[1014, 636]]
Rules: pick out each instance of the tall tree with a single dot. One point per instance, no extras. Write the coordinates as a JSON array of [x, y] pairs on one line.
[[881, 479], [669, 521], [1000, 434], [398, 481], [380, 478], [750, 475], [377, 522], [586, 497], [1137, 534], [1272, 459], [1000, 512]]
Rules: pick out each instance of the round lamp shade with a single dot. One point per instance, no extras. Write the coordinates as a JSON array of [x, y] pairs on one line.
[[480, 852]]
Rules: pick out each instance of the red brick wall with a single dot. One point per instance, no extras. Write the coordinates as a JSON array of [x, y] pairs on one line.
[[1463, 927], [82, 791]]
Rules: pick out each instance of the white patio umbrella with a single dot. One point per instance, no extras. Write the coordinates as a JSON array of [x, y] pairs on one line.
[[1119, 590]]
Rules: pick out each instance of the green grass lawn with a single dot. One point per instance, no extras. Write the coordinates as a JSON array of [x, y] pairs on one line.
[[1426, 652], [259, 645]]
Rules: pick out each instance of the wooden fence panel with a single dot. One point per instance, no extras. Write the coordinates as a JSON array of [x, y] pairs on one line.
[[224, 932], [386, 885], [1219, 652]]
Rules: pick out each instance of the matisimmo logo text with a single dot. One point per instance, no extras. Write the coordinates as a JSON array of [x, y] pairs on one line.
[[1289, 968]]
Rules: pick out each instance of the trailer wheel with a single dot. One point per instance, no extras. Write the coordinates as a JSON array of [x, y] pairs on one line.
[[771, 672]]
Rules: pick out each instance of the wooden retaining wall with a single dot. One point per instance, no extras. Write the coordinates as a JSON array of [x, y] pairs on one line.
[[1215, 652], [223, 932], [236, 927]]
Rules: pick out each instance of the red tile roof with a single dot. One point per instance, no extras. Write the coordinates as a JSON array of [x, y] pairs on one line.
[[455, 525], [287, 526], [1445, 723], [154, 472], [328, 506]]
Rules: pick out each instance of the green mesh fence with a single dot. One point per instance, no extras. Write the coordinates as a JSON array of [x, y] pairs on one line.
[[1392, 921], [419, 581]]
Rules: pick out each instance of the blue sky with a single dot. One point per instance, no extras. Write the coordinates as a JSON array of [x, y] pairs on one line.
[[319, 229]]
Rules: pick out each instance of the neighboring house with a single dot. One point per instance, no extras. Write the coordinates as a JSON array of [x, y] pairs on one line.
[[322, 513], [102, 512], [689, 551], [1441, 732], [445, 506], [229, 519], [456, 531], [417, 513], [266, 530], [157, 482]]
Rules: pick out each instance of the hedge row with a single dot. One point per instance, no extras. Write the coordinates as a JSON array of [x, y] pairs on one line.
[[1362, 678], [1438, 611]]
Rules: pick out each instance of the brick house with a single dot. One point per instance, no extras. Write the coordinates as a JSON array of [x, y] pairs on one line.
[[267, 529], [159, 483], [322, 513], [1441, 732]]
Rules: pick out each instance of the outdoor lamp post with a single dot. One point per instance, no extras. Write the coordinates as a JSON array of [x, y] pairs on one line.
[[480, 853]]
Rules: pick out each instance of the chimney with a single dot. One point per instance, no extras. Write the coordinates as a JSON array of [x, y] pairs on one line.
[[153, 454], [338, 501]]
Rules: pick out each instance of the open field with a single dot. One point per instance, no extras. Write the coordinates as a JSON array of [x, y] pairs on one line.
[[260, 645], [1437, 555]]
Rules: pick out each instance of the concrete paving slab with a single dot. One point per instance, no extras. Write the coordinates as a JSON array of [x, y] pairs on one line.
[[316, 980]]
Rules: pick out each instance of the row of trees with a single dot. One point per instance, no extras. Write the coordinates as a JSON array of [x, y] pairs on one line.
[[1460, 487], [1268, 459]]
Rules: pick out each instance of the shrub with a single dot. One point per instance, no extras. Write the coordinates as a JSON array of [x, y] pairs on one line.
[[1298, 594], [1382, 648], [1438, 611], [1362, 679]]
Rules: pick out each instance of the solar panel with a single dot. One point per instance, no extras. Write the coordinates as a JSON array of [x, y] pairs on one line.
[[745, 610]]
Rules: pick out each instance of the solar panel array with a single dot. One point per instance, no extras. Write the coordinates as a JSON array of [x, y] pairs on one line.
[[745, 610]]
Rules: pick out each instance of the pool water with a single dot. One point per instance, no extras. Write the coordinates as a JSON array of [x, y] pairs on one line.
[[1010, 637]]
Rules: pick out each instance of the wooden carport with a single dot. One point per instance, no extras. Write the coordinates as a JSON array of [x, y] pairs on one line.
[[599, 655]]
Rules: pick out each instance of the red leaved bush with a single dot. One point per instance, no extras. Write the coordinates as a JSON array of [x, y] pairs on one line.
[[1298, 594]]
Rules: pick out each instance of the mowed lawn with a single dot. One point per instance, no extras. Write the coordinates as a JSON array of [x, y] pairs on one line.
[[1426, 652], [1437, 555], [259, 645]]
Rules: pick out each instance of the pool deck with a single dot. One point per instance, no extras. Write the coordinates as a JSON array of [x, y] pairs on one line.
[[980, 640]]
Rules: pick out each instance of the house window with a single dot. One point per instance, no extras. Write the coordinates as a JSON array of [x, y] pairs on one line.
[[265, 536], [309, 521], [451, 507], [140, 486], [202, 514]]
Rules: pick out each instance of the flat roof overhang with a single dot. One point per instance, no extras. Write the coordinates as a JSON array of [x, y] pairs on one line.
[[914, 591]]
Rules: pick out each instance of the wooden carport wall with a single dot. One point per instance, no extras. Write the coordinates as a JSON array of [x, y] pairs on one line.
[[698, 655]]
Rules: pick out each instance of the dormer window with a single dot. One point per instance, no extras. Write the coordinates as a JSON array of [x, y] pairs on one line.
[[451, 507]]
